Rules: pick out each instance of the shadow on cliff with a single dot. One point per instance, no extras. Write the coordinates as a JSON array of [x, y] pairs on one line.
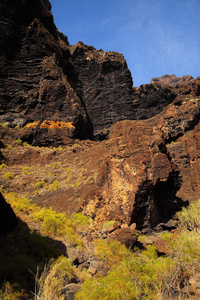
[[157, 203], [23, 253]]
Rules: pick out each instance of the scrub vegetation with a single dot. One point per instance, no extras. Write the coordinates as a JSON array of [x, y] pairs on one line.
[[125, 274]]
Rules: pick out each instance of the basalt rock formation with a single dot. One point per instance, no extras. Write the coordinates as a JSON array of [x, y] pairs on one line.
[[144, 169], [43, 80], [173, 80]]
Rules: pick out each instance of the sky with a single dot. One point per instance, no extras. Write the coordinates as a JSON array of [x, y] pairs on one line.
[[156, 37]]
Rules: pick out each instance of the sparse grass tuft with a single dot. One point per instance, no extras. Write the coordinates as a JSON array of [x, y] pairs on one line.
[[9, 176], [3, 166], [108, 223], [19, 142], [40, 184], [54, 279], [54, 186]]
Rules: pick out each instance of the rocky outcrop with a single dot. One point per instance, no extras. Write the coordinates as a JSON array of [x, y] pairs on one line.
[[104, 85], [34, 61], [44, 79], [173, 80], [8, 218]]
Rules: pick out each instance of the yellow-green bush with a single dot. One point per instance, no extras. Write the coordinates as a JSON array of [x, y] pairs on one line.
[[110, 253], [54, 186], [57, 224], [186, 245], [9, 176], [108, 223], [12, 292], [81, 221], [19, 142], [20, 204], [189, 217], [136, 276], [40, 184], [3, 166], [50, 222], [54, 279]]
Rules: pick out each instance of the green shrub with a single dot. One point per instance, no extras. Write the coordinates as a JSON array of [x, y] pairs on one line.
[[3, 166], [108, 223], [40, 184], [19, 142], [186, 245], [54, 279], [12, 292], [20, 204], [135, 276], [110, 253], [77, 185], [57, 224], [81, 221], [26, 144], [54, 186], [189, 217], [25, 171], [9, 176]]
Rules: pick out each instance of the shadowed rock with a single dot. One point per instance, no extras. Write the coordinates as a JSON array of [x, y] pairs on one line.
[[8, 219]]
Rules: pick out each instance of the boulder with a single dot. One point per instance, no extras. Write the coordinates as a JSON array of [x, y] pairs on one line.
[[126, 236]]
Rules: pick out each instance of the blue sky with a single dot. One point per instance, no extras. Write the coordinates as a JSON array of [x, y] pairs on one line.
[[156, 37]]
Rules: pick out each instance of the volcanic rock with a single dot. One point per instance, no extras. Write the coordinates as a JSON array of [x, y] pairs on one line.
[[34, 60], [126, 236], [173, 80], [43, 79]]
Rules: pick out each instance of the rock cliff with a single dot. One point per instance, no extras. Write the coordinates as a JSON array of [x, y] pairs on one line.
[[136, 156], [45, 79]]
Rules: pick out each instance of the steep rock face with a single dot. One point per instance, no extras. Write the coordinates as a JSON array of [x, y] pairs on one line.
[[8, 219], [42, 78], [150, 99], [34, 61], [151, 170], [104, 85]]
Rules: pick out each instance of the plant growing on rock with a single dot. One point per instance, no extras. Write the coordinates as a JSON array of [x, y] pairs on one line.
[[9, 176], [3, 166], [40, 184], [108, 223], [81, 221], [54, 186], [19, 142], [55, 277]]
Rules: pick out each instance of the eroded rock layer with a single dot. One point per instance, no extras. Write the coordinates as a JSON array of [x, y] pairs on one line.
[[45, 79]]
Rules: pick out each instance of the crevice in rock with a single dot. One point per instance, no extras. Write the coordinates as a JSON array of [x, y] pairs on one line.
[[157, 203], [173, 137]]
